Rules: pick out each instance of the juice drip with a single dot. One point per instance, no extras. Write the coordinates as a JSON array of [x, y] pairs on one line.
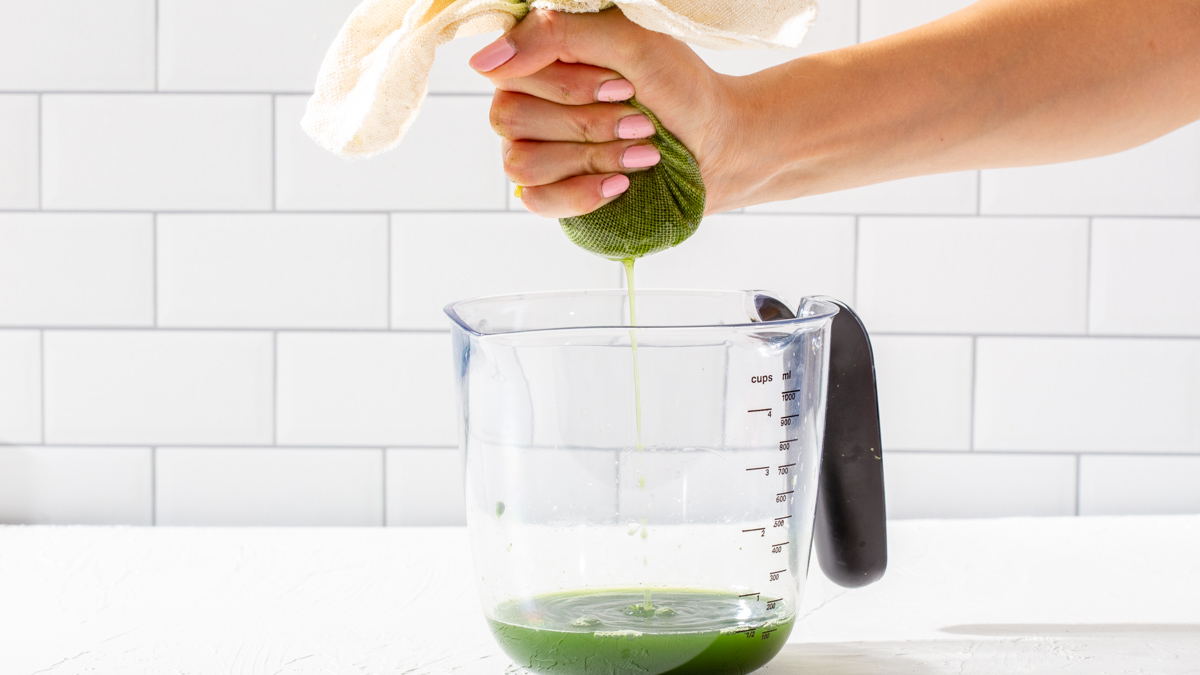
[[637, 389], [637, 400]]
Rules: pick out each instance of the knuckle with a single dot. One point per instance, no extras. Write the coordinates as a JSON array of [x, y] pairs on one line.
[[589, 126], [501, 115], [555, 26], [518, 163], [598, 159]]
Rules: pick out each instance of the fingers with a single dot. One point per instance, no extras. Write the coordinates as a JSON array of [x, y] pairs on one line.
[[572, 84], [523, 117], [533, 163], [574, 196]]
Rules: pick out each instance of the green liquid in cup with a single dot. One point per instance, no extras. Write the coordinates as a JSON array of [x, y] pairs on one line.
[[684, 632]]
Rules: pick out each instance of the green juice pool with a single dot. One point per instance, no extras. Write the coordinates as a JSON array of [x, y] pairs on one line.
[[683, 632]]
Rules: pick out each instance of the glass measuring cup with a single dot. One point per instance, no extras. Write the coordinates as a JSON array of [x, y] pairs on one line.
[[645, 499]]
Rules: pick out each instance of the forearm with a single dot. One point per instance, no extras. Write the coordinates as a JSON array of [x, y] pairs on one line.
[[1001, 83]]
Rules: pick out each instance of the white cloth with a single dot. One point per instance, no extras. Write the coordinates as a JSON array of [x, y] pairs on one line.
[[376, 73]]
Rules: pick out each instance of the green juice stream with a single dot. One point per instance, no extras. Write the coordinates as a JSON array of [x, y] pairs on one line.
[[637, 402], [620, 632]]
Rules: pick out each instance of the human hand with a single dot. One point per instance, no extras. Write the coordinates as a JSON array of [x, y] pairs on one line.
[[568, 140]]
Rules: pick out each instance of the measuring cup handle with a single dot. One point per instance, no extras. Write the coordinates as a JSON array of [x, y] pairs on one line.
[[850, 528]]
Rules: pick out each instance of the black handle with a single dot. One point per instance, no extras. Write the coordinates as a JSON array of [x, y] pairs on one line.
[[850, 528]]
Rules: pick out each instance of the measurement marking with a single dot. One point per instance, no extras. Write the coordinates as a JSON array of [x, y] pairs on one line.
[[783, 544], [788, 440], [769, 631], [747, 629], [780, 466], [791, 391], [778, 572], [780, 494], [761, 410], [758, 468], [755, 529], [747, 595], [785, 417]]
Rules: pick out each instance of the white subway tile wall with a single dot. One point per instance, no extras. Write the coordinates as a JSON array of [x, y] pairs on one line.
[[424, 487], [979, 485], [374, 389], [146, 152], [747, 251], [924, 391], [69, 486], [973, 275], [268, 486], [1145, 277], [273, 270], [158, 387], [442, 257], [1087, 395], [20, 387], [60, 269], [233, 45], [1143, 485], [19, 151], [67, 45], [206, 319]]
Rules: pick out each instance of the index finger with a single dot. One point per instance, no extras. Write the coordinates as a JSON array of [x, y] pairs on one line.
[[600, 39]]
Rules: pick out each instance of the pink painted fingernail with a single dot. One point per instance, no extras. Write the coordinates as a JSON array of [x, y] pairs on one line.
[[640, 156], [615, 185], [615, 90], [493, 56], [635, 126]]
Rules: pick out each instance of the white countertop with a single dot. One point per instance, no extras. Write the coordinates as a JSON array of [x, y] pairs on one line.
[[1064, 595]]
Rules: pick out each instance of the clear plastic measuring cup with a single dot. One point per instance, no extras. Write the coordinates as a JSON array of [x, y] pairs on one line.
[[660, 518]]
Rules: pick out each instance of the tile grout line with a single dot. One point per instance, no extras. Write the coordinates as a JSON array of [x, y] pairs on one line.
[[296, 446], [274, 153], [855, 264], [384, 486], [858, 22], [274, 388], [1079, 471], [974, 388], [493, 212], [153, 486], [154, 270], [156, 3], [1087, 282], [41, 154], [388, 249], [424, 446], [979, 192], [445, 331], [42, 377]]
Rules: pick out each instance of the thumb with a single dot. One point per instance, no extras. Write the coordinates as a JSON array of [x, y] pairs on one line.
[[605, 39]]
